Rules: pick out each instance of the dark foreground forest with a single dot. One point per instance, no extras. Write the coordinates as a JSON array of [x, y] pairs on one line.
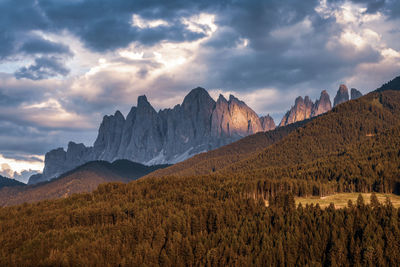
[[195, 222]]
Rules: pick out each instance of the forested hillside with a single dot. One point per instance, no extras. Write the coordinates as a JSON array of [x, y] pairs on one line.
[[195, 222], [212, 161], [354, 122]]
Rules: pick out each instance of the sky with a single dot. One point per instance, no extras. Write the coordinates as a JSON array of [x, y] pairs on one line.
[[66, 64]]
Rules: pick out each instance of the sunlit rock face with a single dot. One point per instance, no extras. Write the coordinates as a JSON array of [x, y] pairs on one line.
[[304, 109], [233, 119], [267, 123], [300, 111], [171, 135], [322, 105], [342, 95]]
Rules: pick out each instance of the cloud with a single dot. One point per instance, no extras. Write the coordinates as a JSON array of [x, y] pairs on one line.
[[18, 18], [44, 67], [19, 169], [22, 176], [115, 24], [38, 45], [389, 7]]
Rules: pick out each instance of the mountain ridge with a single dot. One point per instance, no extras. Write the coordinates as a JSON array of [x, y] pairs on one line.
[[168, 136], [197, 125], [82, 179]]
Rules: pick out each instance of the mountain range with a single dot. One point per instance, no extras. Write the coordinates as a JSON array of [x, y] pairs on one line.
[[305, 108], [169, 136]]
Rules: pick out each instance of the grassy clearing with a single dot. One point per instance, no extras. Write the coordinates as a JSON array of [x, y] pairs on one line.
[[341, 200]]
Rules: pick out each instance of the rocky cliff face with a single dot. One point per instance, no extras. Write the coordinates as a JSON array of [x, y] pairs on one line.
[[304, 109], [342, 95], [354, 93], [233, 119], [267, 123], [322, 105], [300, 111], [168, 136]]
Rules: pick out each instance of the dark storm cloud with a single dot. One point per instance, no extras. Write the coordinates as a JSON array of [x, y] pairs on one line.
[[101, 25], [388, 7], [18, 140], [255, 19], [106, 25], [43, 68], [37, 45], [16, 20]]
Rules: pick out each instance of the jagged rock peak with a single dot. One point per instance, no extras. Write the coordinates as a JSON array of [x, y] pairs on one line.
[[118, 114], [322, 105], [267, 123], [342, 95], [233, 119], [198, 91], [234, 98], [142, 101], [171, 135], [299, 100], [301, 110], [198, 95], [221, 98], [324, 93], [354, 93]]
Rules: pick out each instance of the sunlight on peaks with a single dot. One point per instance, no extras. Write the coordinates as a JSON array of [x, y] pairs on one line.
[[143, 23]]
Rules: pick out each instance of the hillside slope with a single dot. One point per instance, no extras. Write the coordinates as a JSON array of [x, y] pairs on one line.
[[4, 181], [349, 123], [212, 161], [85, 178]]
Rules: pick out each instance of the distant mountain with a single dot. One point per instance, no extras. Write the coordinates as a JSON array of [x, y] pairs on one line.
[[170, 136], [354, 94], [84, 178], [304, 109], [199, 124], [342, 95], [4, 181]]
